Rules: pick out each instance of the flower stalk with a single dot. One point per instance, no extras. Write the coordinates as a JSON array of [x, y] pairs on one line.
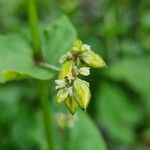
[[34, 26], [42, 86]]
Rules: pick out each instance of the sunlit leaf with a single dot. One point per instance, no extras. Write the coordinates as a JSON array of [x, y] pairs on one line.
[[16, 60]]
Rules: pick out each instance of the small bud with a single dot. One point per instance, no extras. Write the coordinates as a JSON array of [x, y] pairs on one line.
[[76, 49], [60, 83], [78, 44], [65, 57], [71, 104], [69, 90], [64, 121], [85, 71], [61, 120], [85, 48], [82, 93], [62, 95], [66, 70], [93, 60]]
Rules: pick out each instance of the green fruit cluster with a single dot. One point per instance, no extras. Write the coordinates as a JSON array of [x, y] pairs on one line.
[[73, 91]]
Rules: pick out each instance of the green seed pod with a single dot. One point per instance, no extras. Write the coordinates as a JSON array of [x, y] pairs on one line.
[[62, 95], [66, 70], [77, 44], [82, 93], [71, 104], [76, 49], [92, 59]]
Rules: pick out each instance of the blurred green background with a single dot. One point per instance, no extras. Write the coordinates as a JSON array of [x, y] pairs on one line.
[[119, 30]]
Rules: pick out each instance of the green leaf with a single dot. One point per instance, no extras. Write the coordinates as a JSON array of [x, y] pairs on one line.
[[84, 135], [9, 96], [60, 37], [20, 125], [146, 134], [145, 21], [24, 131], [116, 113], [130, 48], [16, 60], [135, 72]]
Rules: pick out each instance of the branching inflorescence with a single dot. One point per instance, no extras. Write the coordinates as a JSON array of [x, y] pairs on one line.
[[72, 90]]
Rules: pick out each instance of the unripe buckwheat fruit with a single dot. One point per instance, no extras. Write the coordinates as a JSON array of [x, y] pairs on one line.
[[62, 95], [93, 60], [66, 70], [71, 104], [81, 93]]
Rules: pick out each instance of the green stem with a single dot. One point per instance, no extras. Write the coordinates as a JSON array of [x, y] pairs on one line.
[[43, 89], [49, 66], [33, 20], [47, 117]]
